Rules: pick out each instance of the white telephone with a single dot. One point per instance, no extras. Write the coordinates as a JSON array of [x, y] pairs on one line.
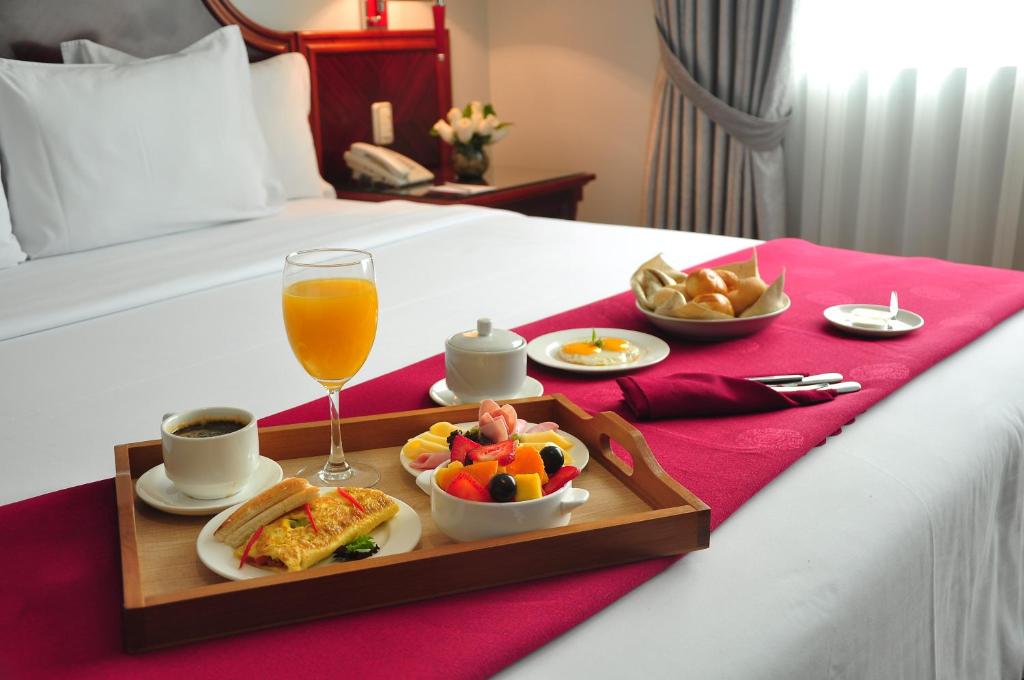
[[384, 165]]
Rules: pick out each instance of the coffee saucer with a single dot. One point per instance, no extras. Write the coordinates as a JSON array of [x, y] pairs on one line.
[[443, 396], [157, 490]]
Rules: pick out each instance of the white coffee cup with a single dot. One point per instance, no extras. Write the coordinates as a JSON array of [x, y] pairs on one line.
[[215, 466], [485, 363]]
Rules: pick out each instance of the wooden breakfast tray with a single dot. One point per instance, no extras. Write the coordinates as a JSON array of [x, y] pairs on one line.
[[170, 598]]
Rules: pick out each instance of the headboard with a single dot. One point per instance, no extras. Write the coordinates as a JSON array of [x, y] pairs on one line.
[[350, 70]]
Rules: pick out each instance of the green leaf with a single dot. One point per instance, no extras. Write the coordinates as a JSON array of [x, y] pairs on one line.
[[502, 125], [434, 133], [467, 111], [361, 544], [489, 110]]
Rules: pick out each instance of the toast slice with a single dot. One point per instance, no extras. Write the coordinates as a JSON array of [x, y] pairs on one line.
[[283, 497]]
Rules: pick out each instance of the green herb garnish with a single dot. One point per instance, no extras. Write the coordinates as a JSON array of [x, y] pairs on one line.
[[594, 340], [361, 548]]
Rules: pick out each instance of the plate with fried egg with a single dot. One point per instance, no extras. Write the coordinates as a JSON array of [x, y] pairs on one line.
[[597, 350]]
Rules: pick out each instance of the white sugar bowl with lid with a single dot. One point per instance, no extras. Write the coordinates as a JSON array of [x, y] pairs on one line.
[[485, 363]]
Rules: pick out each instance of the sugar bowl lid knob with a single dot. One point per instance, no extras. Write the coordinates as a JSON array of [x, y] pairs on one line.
[[486, 338]]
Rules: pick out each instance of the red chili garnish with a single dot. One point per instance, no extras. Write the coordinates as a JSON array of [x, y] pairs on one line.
[[350, 499], [312, 522], [248, 546]]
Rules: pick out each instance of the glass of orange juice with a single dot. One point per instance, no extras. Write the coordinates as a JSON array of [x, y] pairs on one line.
[[329, 301]]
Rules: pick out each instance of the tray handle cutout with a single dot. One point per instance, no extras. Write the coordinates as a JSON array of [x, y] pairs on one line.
[[645, 476]]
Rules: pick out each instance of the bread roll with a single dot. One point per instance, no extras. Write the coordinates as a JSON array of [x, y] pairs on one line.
[[704, 282], [747, 293], [283, 497], [716, 302], [730, 278]]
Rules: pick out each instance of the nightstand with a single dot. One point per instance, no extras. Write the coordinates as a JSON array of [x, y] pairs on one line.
[[538, 193]]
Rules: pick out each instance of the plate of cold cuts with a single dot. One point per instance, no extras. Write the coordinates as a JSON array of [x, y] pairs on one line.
[[495, 424]]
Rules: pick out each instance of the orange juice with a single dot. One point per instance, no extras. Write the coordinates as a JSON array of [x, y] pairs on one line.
[[331, 324]]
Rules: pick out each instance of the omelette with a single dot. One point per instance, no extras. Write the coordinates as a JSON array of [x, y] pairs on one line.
[[290, 542]]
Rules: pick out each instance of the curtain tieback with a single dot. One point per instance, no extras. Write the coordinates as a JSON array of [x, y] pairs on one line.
[[759, 134]]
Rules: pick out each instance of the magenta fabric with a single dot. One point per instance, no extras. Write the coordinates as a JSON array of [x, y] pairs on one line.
[[59, 603], [694, 395]]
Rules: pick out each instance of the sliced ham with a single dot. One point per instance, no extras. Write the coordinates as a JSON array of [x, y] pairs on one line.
[[494, 428], [541, 427], [509, 413], [486, 406], [429, 461]]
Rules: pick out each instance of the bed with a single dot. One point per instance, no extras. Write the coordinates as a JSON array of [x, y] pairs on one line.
[[894, 550]]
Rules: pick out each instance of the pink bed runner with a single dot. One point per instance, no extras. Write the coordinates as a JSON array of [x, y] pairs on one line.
[[60, 614]]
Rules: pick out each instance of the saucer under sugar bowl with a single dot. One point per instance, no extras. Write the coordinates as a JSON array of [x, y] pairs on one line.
[[485, 363]]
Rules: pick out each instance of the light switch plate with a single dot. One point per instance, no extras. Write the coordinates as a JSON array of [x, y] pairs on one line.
[[383, 123]]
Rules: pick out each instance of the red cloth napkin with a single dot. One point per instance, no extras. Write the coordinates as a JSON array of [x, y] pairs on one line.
[[691, 395]]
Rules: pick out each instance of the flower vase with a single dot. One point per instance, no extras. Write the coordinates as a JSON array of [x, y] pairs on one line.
[[469, 162]]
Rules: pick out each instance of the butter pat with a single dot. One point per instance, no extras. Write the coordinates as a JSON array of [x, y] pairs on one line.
[[869, 318]]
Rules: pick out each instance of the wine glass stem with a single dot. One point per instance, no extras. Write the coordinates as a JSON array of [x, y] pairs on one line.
[[337, 467]]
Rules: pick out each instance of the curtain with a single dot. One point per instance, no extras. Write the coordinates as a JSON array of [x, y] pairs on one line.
[[918, 147], [715, 163]]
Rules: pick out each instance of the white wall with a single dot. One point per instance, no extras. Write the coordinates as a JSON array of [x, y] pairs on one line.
[[575, 76]]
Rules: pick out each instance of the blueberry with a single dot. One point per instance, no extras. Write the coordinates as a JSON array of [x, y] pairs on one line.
[[553, 458], [503, 488]]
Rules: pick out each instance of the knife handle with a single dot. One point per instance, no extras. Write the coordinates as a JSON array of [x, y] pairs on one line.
[[821, 379], [777, 379]]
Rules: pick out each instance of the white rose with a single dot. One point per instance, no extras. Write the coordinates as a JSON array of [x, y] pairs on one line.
[[498, 135], [444, 131], [454, 115], [464, 129], [476, 109], [487, 125]]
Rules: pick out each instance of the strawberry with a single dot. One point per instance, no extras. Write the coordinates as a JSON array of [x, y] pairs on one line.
[[461, 446], [466, 487], [505, 449], [561, 478]]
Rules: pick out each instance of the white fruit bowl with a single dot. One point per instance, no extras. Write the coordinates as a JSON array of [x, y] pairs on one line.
[[709, 330], [463, 520]]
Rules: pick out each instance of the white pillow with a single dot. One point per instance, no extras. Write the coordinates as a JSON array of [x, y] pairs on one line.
[[10, 250], [100, 154], [281, 94]]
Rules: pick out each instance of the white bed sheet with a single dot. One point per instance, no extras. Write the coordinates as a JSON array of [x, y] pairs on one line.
[[56, 291], [895, 550]]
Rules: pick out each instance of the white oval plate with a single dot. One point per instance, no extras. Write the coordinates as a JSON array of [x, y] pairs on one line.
[[154, 488], [580, 453], [905, 322], [398, 535], [544, 349]]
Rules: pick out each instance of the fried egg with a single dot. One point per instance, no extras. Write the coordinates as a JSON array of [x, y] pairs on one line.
[[599, 352]]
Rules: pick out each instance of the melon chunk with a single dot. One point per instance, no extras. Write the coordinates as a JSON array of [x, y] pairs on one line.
[[528, 487]]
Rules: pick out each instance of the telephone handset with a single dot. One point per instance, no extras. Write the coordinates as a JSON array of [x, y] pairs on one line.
[[384, 165]]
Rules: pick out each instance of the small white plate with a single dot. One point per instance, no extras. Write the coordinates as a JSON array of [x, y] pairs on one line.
[[905, 322], [157, 490], [544, 349], [580, 454], [400, 534], [443, 396]]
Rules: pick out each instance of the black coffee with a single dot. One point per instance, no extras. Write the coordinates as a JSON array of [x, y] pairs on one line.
[[209, 428]]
